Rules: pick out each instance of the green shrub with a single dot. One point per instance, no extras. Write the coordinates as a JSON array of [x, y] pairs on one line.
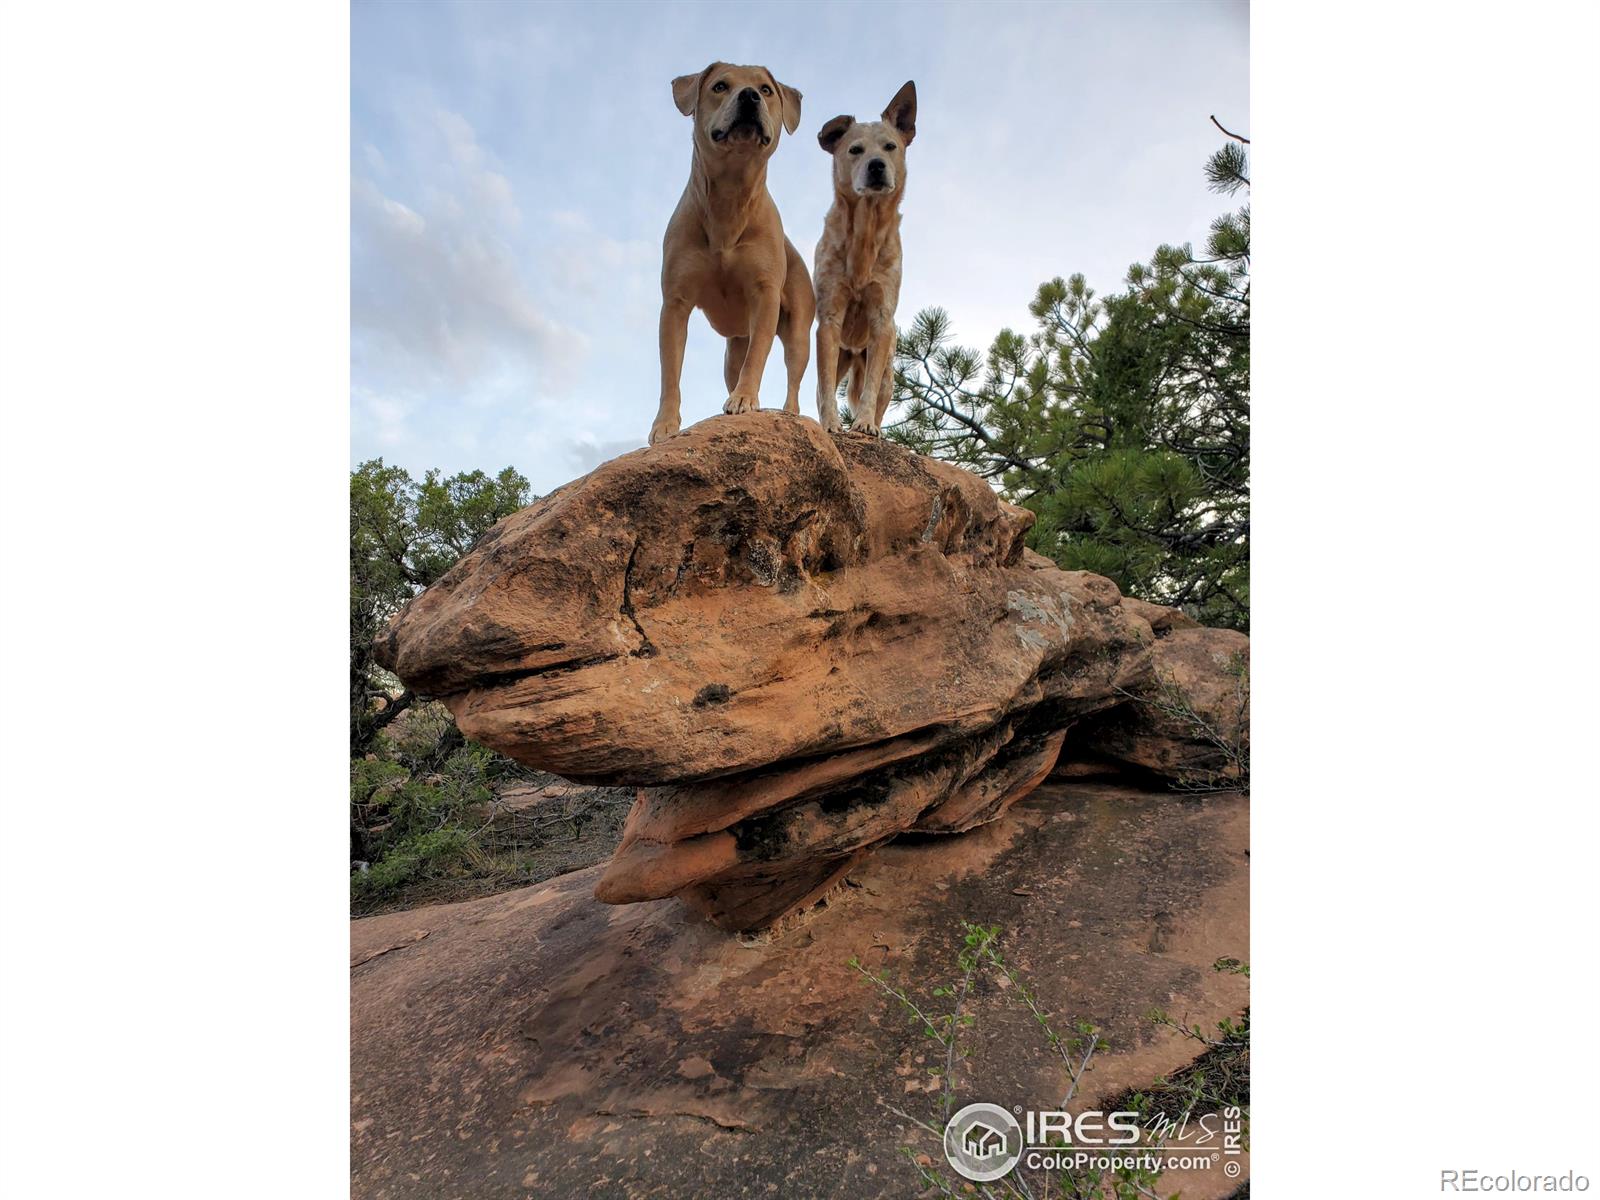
[[428, 824], [415, 807], [427, 855]]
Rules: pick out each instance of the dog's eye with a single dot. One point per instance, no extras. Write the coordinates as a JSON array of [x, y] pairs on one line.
[[765, 90], [855, 149], [719, 86], [888, 145]]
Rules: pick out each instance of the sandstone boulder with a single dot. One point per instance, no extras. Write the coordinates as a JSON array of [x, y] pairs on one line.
[[796, 646]]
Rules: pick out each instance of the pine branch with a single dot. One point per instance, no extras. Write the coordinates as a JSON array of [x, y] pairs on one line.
[[1236, 137]]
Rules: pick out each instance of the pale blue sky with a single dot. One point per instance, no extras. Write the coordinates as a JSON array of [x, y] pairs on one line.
[[514, 165]]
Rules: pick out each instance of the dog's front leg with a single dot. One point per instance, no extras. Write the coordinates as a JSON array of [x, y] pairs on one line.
[[828, 374], [674, 332], [885, 389], [879, 378], [746, 397]]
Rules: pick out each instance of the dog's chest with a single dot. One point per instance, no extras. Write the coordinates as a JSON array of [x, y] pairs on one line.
[[719, 282], [863, 291], [861, 315], [870, 255]]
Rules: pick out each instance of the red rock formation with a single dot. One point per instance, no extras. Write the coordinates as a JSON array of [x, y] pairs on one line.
[[796, 645], [538, 1044]]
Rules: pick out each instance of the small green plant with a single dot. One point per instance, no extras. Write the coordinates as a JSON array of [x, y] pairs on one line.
[[1218, 1079], [1087, 1038], [1213, 1081], [1226, 736], [945, 1028]]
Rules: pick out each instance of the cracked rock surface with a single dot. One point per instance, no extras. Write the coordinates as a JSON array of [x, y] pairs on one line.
[[797, 647]]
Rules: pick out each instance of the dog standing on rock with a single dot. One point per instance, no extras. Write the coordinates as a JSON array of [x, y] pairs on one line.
[[725, 252], [858, 262]]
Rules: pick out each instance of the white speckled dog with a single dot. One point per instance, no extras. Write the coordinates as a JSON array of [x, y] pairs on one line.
[[857, 270]]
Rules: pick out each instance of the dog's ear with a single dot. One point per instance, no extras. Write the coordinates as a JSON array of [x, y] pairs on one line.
[[791, 106], [902, 111], [829, 135], [686, 91]]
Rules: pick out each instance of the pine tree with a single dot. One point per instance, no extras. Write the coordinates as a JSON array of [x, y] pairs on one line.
[[1122, 421]]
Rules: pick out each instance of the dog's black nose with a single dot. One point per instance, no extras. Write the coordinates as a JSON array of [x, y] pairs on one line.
[[750, 98], [875, 169]]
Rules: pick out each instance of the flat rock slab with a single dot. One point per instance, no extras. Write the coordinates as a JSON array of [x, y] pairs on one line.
[[540, 1043]]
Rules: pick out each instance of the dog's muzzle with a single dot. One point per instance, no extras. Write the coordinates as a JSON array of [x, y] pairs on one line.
[[877, 174], [747, 124]]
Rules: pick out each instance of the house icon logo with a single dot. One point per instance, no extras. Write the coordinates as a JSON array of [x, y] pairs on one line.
[[983, 1142]]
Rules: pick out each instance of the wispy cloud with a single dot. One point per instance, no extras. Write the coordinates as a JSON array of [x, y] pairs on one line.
[[440, 291], [593, 264], [379, 421], [585, 451]]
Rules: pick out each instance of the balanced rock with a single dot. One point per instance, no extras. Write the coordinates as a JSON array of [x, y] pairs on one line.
[[796, 646]]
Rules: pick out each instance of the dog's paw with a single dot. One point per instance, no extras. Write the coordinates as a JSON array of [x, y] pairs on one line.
[[740, 403], [663, 429], [832, 424], [792, 407], [866, 428]]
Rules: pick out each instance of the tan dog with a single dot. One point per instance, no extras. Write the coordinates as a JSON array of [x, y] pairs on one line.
[[725, 252], [858, 262]]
